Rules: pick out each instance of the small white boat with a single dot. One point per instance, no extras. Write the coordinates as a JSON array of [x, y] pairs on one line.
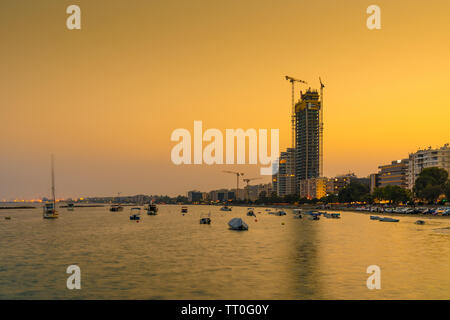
[[238, 224], [135, 214], [225, 208]]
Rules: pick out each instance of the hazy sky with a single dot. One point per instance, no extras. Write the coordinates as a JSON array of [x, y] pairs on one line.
[[105, 99]]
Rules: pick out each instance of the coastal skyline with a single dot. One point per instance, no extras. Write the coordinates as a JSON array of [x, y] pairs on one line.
[[105, 99]]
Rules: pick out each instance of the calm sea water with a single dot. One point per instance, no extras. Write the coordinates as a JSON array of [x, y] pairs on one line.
[[170, 256]]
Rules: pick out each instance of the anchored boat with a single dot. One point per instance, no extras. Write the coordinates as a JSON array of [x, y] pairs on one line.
[[225, 208], [205, 219], [50, 207], [238, 224], [152, 209], [135, 214], [251, 212], [388, 220], [184, 209], [116, 207]]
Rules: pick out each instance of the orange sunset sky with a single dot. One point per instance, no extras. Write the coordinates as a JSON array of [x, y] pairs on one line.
[[105, 99]]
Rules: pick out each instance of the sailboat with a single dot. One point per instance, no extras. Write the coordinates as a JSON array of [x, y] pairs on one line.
[[116, 207], [50, 207]]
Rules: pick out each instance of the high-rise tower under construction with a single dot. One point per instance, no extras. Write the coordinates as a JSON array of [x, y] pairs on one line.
[[308, 136]]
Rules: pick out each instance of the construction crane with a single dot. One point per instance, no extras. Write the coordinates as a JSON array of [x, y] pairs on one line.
[[247, 182], [292, 81], [321, 128], [238, 174]]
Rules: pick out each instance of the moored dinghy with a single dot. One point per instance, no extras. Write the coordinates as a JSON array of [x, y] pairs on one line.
[[135, 214], [152, 209], [251, 212], [420, 222], [205, 219], [386, 219], [237, 224]]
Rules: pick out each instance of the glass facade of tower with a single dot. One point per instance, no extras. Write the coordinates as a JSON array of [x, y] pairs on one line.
[[307, 142]]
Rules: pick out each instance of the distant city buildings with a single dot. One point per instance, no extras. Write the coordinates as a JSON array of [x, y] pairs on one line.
[[403, 173]]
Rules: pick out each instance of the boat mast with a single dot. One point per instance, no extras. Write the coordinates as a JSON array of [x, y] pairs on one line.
[[53, 183]]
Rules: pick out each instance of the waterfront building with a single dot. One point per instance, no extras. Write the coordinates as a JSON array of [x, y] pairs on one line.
[[313, 188], [266, 188], [336, 184], [284, 182], [427, 158], [394, 174], [195, 196], [374, 181]]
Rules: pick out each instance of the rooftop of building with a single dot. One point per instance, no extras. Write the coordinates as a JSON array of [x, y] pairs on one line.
[[444, 147]]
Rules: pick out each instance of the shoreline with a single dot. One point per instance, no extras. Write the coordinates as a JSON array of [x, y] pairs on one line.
[[393, 214]]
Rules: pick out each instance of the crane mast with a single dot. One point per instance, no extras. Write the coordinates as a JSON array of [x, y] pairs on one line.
[[292, 81], [238, 174], [321, 129]]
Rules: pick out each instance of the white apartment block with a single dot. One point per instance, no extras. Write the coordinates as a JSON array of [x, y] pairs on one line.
[[426, 159]]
